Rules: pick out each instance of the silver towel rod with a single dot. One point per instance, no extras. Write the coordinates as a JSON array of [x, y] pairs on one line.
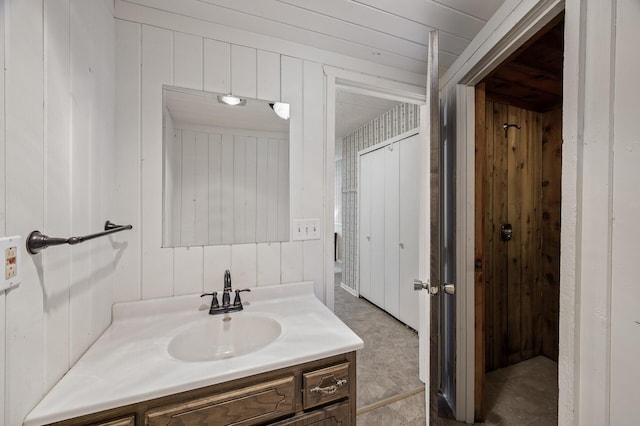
[[37, 241]]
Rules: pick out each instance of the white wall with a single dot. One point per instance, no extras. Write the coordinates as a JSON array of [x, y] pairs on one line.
[[58, 162], [151, 53], [599, 299]]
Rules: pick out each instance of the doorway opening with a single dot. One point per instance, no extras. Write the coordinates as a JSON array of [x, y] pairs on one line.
[[517, 232], [374, 130]]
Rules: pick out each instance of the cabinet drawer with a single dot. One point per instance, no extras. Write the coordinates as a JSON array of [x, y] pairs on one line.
[[245, 406], [334, 415], [127, 421], [326, 385]]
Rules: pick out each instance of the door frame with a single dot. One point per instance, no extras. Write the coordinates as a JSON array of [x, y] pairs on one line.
[[515, 27], [336, 78]]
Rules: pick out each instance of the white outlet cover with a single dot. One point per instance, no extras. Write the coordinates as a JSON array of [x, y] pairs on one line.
[[6, 243]]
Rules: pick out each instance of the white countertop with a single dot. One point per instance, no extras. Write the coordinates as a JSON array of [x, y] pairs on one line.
[[129, 363]]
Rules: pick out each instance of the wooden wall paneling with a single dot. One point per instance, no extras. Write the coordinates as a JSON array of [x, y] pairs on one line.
[[57, 133], [188, 213], [217, 66], [157, 66], [243, 71], [215, 189], [500, 215], [527, 193], [226, 185], [250, 188], [550, 262], [201, 190], [127, 284], [283, 191], [239, 194], [488, 233], [536, 236], [314, 196], [268, 64], [515, 158], [391, 234], [243, 268], [291, 88], [481, 178], [187, 61], [188, 270], [216, 260], [268, 263], [292, 84]]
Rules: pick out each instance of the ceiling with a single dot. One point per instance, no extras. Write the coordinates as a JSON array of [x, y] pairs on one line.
[[392, 33], [354, 109], [194, 108], [532, 77]]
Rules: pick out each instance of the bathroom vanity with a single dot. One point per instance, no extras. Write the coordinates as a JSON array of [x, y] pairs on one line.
[[285, 359]]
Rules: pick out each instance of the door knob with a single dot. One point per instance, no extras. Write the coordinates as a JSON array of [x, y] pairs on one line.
[[421, 285], [449, 288]]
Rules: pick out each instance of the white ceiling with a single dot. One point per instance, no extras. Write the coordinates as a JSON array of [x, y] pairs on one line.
[[389, 32], [199, 109], [354, 109]]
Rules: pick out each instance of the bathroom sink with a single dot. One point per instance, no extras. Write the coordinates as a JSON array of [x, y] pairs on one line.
[[219, 337]]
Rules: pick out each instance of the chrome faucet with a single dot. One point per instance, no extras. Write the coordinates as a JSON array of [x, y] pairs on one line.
[[226, 306]]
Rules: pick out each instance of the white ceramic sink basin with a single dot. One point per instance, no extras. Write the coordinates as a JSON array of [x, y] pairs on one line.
[[219, 337]]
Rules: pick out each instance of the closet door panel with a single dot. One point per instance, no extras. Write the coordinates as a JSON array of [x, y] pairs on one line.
[[364, 226], [377, 229], [391, 229], [409, 177]]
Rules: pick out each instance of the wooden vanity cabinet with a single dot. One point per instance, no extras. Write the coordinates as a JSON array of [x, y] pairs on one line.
[[318, 392]]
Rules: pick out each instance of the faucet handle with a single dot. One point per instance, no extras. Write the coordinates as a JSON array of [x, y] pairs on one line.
[[214, 301], [236, 300]]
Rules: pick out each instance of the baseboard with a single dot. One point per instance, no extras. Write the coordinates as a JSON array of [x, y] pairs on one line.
[[348, 289]]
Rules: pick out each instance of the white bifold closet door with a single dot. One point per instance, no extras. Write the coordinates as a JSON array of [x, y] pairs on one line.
[[388, 228]]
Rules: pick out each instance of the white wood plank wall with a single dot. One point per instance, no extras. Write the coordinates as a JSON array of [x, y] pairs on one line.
[[245, 175], [58, 161], [152, 54]]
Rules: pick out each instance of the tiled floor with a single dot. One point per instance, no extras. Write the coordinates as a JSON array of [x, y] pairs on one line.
[[389, 392], [388, 364]]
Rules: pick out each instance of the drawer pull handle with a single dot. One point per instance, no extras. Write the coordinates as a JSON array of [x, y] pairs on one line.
[[329, 390]]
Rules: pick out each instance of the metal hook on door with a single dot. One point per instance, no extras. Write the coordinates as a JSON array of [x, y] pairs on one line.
[[506, 126]]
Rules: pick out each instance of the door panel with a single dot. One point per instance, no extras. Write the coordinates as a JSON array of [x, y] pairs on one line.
[[391, 228], [377, 228], [364, 224], [409, 204]]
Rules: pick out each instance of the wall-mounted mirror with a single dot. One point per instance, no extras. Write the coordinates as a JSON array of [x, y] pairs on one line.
[[226, 170]]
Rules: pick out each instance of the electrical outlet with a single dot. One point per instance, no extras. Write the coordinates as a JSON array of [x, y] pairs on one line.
[[10, 246]]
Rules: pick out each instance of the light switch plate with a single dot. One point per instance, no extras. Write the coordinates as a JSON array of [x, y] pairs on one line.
[[306, 229], [11, 272]]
